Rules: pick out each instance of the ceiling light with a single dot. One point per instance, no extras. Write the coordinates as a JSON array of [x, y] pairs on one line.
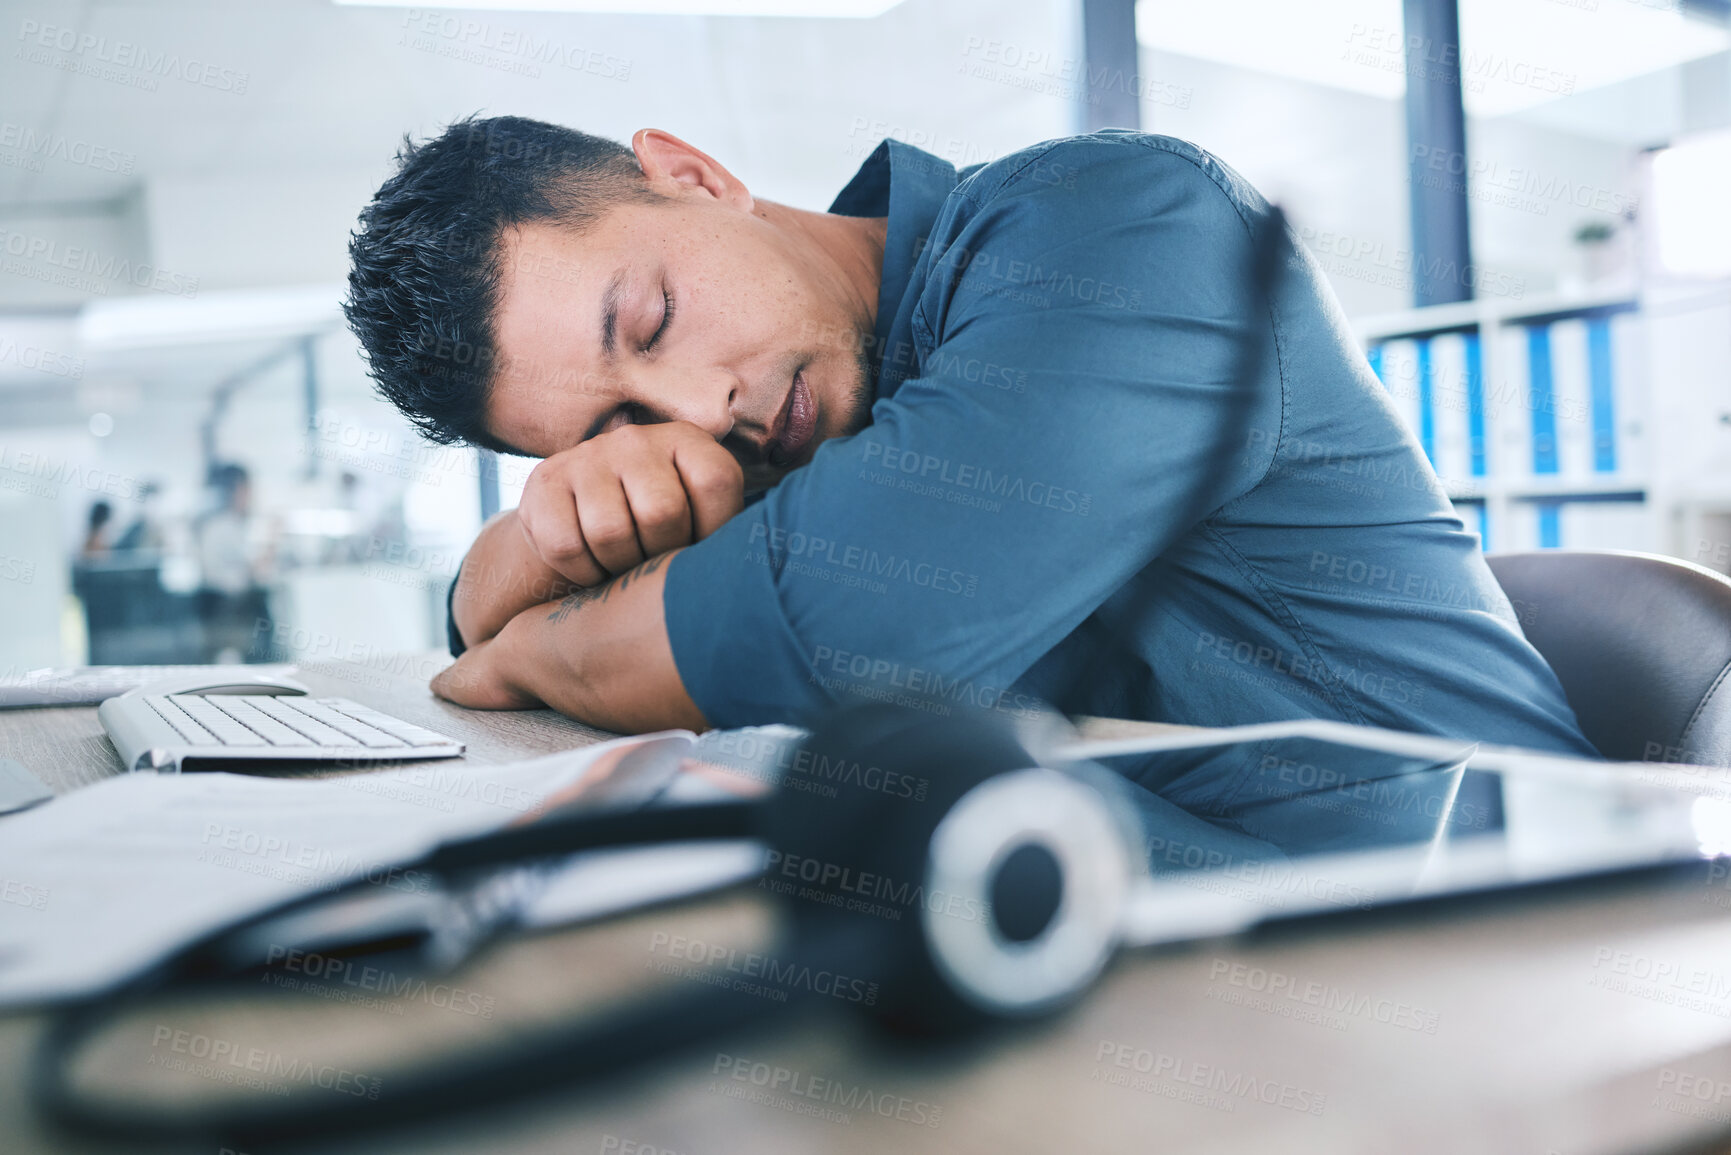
[[1514, 54], [150, 320], [1689, 206], [848, 9]]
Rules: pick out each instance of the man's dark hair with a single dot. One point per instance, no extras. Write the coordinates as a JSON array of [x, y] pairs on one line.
[[226, 477], [425, 275]]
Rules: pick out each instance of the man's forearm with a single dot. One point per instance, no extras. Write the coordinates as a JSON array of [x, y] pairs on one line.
[[499, 579], [600, 655]]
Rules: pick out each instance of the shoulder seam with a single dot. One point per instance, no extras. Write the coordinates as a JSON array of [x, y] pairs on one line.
[[1147, 143]]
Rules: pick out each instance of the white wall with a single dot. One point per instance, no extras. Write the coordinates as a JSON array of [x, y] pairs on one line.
[[1336, 161]]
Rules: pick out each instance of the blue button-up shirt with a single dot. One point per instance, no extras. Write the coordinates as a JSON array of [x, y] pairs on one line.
[[1041, 508]]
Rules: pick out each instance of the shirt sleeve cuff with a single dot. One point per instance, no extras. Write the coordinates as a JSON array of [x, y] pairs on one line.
[[452, 637], [738, 657]]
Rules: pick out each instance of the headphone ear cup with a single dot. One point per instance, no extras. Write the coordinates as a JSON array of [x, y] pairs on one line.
[[849, 833], [1045, 852], [933, 858]]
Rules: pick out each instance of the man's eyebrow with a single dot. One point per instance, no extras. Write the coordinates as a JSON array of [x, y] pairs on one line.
[[610, 314]]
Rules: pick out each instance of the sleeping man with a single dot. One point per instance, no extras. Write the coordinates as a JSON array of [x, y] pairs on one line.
[[968, 440]]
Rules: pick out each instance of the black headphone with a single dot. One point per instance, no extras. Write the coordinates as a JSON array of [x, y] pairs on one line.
[[1018, 875]]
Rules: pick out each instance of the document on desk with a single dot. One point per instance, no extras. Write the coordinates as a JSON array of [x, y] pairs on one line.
[[102, 882]]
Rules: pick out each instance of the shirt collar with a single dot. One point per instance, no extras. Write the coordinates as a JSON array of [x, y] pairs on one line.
[[909, 186]]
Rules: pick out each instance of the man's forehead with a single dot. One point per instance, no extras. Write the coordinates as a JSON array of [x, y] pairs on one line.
[[551, 286], [547, 334], [540, 263]]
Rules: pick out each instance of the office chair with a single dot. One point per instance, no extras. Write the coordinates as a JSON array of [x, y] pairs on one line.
[[1641, 644]]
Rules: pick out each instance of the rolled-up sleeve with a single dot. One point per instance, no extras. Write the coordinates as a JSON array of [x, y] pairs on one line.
[[1079, 322]]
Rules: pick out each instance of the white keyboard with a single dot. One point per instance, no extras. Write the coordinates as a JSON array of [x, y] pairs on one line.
[[164, 731]]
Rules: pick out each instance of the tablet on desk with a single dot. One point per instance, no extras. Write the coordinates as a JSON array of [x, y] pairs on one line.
[[1326, 817]]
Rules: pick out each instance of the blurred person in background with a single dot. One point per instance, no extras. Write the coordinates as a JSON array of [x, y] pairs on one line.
[[145, 532], [379, 529], [232, 603], [95, 543]]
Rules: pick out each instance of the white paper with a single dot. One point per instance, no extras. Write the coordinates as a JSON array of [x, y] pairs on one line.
[[104, 881]]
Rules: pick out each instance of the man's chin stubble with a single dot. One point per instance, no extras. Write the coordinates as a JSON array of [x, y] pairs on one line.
[[862, 393]]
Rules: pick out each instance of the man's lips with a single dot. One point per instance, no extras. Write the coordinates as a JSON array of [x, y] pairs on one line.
[[794, 425]]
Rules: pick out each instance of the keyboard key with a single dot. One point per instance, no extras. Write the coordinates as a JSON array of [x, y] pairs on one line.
[[397, 728], [320, 733], [227, 730], [358, 731], [240, 707], [191, 731]]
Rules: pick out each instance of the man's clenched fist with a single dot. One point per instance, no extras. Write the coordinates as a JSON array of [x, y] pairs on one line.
[[618, 499]]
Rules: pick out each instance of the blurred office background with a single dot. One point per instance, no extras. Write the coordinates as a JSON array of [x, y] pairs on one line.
[[192, 464]]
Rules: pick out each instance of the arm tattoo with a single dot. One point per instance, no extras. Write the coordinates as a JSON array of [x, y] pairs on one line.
[[571, 603], [577, 599]]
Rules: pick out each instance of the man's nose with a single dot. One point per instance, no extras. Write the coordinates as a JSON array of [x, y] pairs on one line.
[[707, 404]]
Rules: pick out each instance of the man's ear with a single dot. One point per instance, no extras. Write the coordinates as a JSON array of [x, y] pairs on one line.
[[676, 168]]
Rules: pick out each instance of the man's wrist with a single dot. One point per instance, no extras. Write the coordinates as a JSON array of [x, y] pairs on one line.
[[527, 661], [515, 657], [500, 578], [601, 655]]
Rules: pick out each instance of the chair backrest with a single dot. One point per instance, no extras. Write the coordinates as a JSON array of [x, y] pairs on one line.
[[1641, 644]]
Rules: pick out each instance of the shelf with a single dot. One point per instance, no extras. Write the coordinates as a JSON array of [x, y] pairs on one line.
[[1611, 491], [1463, 316]]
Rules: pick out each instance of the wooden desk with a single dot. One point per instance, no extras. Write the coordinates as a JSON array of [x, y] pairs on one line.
[[66, 747], [1519, 1028]]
